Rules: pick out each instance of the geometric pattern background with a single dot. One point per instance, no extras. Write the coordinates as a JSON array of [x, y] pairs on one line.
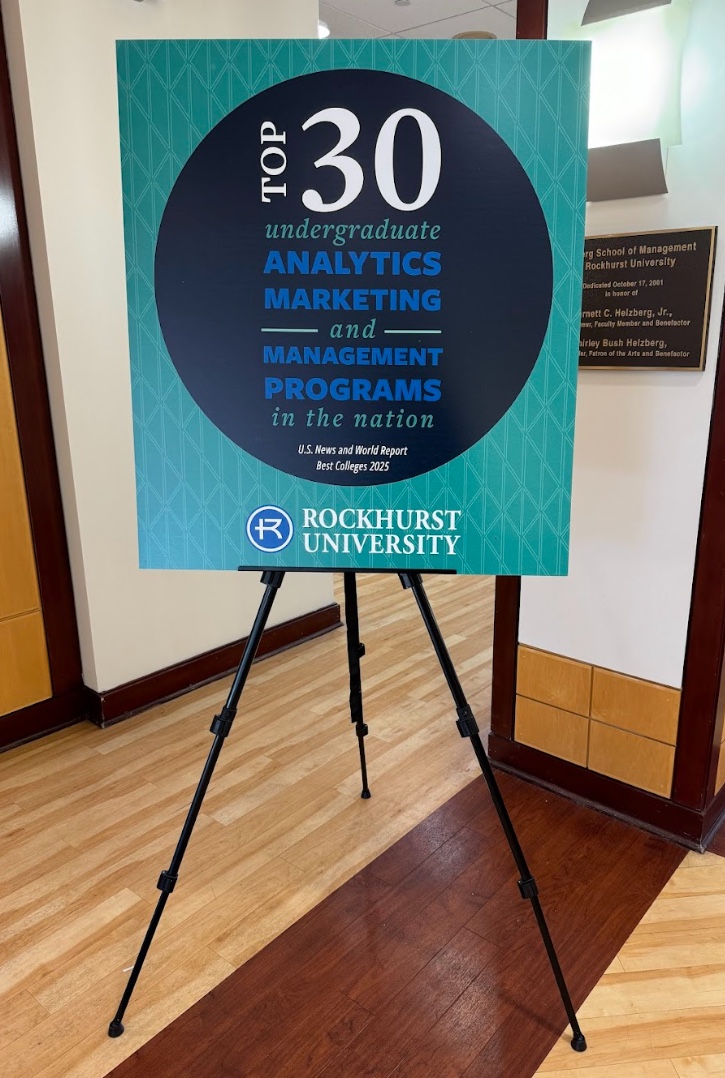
[[195, 487]]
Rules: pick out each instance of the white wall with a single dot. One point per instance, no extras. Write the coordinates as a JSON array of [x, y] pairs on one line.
[[62, 62], [641, 438]]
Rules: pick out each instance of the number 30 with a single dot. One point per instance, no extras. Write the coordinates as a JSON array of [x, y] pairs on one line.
[[348, 126]]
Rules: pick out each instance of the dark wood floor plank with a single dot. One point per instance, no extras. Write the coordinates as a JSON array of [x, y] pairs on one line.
[[242, 1038], [428, 962], [305, 1057], [405, 951], [390, 942], [458, 1036], [315, 1036], [392, 1036], [410, 852]]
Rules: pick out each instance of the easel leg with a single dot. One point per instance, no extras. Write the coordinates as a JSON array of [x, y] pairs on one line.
[[220, 727], [355, 651], [468, 727]]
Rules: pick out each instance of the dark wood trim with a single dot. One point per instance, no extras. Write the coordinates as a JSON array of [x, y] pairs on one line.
[[30, 393], [714, 817], [658, 814], [698, 740], [107, 708], [532, 18], [43, 718], [505, 653]]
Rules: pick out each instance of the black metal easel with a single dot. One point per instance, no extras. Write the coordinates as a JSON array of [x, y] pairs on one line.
[[467, 727]]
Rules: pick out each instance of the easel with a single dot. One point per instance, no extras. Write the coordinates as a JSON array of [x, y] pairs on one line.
[[467, 727]]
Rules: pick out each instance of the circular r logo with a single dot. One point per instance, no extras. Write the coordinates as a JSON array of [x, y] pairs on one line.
[[270, 529]]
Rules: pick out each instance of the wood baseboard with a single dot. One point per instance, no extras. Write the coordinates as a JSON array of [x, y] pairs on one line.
[[663, 817], [714, 818], [45, 717], [107, 708]]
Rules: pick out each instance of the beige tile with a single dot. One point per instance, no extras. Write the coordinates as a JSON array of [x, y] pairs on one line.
[[642, 707], [630, 758], [24, 675], [560, 733], [554, 680]]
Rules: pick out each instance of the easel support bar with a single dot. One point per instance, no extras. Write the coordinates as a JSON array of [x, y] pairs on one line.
[[220, 727], [468, 727]]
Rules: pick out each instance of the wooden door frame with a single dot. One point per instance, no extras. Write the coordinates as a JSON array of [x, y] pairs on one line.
[[532, 17], [37, 448]]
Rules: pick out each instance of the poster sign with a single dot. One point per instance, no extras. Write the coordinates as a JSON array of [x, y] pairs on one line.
[[647, 300], [354, 284]]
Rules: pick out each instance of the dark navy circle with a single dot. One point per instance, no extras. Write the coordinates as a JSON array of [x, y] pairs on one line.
[[494, 284], [270, 529]]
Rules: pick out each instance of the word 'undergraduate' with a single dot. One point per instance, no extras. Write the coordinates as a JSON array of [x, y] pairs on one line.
[[341, 233]]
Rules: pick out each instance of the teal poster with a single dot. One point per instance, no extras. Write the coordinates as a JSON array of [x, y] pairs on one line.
[[354, 275]]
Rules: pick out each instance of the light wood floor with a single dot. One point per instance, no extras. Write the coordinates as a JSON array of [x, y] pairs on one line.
[[659, 1011], [88, 818]]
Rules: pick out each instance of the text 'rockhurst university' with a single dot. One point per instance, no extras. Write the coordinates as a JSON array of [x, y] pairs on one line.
[[381, 531]]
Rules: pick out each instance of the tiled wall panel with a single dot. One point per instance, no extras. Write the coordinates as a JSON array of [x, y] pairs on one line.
[[611, 723]]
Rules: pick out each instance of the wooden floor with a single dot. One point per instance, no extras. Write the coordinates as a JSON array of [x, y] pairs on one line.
[[88, 818], [659, 1012], [416, 966], [428, 964]]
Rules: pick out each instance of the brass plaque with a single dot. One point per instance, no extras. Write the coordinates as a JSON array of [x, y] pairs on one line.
[[647, 300]]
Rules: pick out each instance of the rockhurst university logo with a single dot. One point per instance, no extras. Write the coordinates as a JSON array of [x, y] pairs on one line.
[[381, 531], [405, 532], [270, 529]]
